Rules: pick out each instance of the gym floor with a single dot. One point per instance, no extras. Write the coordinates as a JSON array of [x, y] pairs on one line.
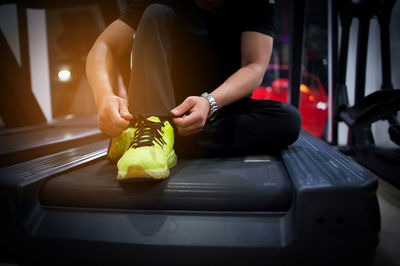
[[387, 253]]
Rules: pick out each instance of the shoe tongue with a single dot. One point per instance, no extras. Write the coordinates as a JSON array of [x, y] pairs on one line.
[[154, 119]]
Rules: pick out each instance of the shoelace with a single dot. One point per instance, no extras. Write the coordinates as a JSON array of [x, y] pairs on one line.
[[147, 131]]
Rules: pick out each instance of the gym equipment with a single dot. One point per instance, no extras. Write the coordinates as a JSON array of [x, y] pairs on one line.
[[380, 105]]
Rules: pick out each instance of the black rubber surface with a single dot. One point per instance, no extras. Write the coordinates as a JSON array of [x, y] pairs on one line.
[[252, 183]]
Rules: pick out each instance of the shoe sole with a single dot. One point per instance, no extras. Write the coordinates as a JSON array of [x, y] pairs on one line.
[[137, 172]]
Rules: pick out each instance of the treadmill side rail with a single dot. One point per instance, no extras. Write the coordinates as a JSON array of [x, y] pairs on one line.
[[335, 204]]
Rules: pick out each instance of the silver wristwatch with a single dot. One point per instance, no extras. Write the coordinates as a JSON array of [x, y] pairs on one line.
[[213, 106]]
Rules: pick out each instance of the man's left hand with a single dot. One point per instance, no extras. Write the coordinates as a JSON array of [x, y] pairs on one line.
[[191, 115]]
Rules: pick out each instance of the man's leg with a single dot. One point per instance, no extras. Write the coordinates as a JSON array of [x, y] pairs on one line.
[[171, 61], [245, 127], [151, 90]]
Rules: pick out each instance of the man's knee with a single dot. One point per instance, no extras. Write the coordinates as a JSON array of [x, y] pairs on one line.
[[155, 27], [283, 121], [158, 12], [292, 120]]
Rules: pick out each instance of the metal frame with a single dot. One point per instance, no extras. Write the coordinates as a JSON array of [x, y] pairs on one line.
[[295, 50]]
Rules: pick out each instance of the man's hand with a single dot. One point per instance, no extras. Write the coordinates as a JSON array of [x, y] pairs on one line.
[[113, 115], [191, 115]]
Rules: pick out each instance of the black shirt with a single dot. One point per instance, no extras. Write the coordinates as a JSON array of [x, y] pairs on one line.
[[224, 25], [253, 15]]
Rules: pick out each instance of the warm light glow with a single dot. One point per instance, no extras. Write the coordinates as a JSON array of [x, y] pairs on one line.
[[311, 98], [304, 88], [64, 75]]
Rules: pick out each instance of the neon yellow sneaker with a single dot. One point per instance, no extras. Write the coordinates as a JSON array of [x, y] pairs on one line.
[[119, 145], [151, 153]]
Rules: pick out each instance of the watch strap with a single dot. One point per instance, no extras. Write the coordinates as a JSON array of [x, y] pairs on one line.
[[213, 106]]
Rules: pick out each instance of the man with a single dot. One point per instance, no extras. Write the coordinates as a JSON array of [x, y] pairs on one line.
[[181, 50]]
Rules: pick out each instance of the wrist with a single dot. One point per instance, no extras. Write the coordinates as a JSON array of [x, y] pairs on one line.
[[99, 100]]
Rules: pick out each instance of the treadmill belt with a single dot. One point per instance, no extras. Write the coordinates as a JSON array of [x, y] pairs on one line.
[[251, 183], [85, 121], [24, 144], [47, 135]]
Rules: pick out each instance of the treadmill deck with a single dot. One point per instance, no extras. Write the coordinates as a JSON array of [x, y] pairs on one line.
[[251, 183]]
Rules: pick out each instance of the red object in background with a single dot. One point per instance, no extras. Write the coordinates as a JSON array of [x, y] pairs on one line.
[[313, 97]]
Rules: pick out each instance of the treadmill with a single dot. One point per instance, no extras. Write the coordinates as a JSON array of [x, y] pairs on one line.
[[308, 203]]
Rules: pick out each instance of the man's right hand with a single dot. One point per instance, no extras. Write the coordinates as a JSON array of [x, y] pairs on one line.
[[113, 115]]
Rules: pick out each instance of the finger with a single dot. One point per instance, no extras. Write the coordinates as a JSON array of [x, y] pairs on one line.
[[189, 120], [109, 120], [183, 107], [193, 127], [184, 122], [109, 128], [123, 109], [115, 120], [119, 123]]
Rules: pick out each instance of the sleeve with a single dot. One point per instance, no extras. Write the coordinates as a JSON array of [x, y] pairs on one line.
[[258, 15], [134, 12]]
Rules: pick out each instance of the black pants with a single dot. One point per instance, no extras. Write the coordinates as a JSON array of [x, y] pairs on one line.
[[174, 57]]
